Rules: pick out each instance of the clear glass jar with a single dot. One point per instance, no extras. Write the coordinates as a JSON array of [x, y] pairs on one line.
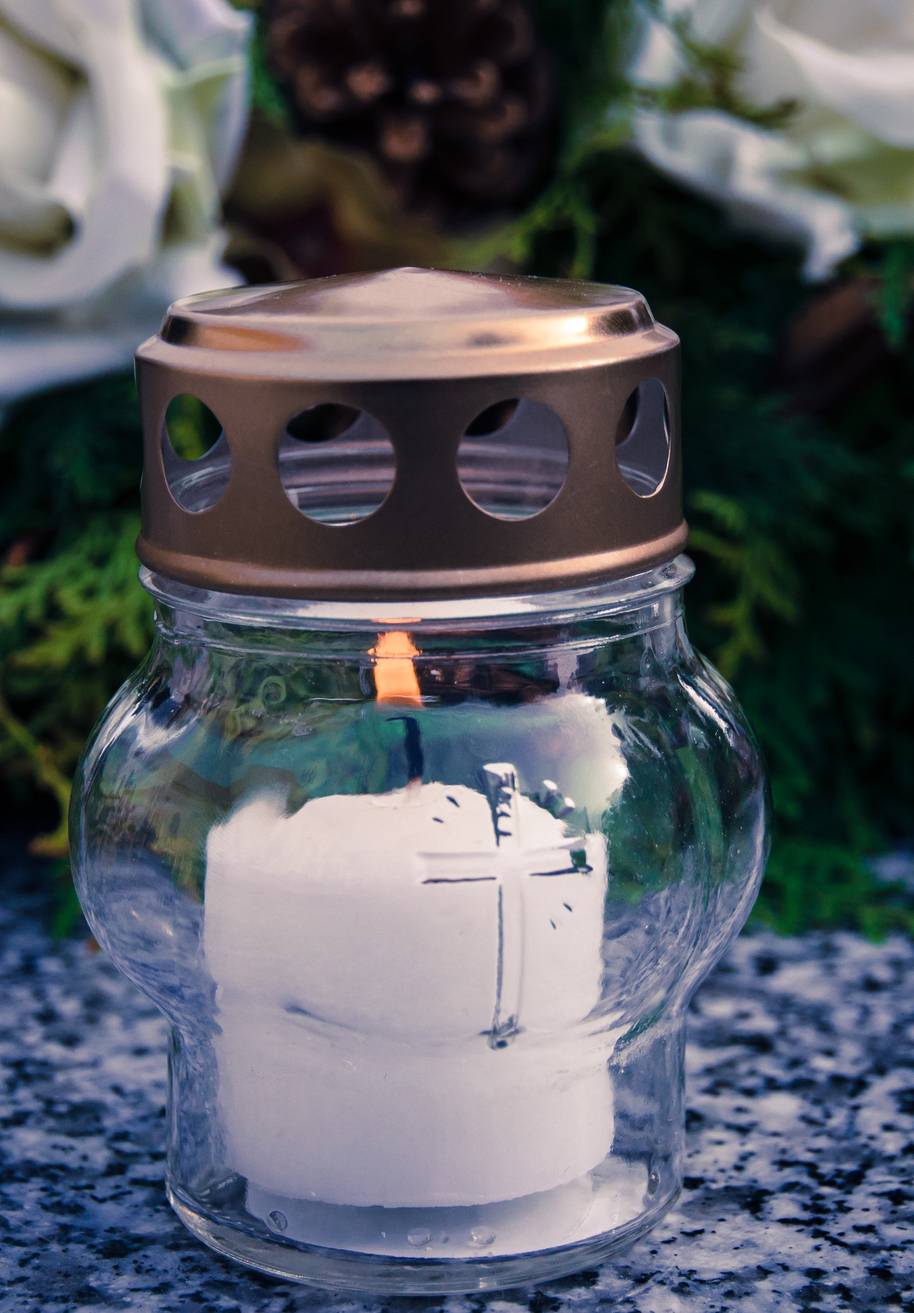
[[423, 890]]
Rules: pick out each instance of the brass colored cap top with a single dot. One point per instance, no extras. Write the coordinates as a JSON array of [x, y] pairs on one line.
[[409, 323], [412, 434]]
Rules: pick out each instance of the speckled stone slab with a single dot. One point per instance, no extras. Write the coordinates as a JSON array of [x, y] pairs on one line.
[[798, 1190]]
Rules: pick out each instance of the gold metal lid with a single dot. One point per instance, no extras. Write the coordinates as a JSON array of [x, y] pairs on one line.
[[408, 324], [413, 433]]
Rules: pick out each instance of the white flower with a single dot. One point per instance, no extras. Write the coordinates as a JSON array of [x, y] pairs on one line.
[[842, 167], [119, 125]]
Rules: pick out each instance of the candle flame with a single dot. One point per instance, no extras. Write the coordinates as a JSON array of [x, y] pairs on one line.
[[394, 673]]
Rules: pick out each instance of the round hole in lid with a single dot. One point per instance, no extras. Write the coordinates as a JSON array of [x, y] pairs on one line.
[[336, 463], [195, 453], [513, 458], [643, 438]]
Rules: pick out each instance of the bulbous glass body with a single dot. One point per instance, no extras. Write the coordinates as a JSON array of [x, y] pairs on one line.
[[423, 895]]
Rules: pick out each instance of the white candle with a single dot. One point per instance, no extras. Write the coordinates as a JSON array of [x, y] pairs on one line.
[[399, 979]]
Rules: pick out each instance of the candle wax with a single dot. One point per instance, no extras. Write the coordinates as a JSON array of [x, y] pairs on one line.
[[399, 992]]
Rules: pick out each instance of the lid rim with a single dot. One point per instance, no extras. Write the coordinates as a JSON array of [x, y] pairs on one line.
[[406, 323], [296, 366], [248, 579]]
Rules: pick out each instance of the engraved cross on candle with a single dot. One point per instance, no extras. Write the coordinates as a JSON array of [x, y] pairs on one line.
[[509, 867]]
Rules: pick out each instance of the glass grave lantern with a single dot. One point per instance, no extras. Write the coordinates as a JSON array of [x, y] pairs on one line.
[[422, 819]]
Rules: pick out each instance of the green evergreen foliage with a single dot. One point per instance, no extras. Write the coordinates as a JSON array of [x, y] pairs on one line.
[[585, 39], [896, 290], [802, 526], [73, 618]]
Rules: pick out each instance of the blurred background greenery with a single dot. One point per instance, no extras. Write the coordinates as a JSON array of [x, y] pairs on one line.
[[745, 166]]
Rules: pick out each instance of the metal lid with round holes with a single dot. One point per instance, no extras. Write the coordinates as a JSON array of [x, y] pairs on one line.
[[412, 434]]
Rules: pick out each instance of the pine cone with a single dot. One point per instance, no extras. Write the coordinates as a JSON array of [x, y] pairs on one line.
[[454, 98]]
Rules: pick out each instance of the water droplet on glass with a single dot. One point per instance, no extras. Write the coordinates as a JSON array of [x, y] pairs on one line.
[[480, 1237], [278, 1220], [418, 1237]]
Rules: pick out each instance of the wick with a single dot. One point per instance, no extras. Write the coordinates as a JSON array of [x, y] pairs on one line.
[[412, 744]]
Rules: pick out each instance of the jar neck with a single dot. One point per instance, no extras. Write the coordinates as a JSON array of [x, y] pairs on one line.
[[642, 604]]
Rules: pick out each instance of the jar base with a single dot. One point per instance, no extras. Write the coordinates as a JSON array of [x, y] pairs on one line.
[[365, 1273]]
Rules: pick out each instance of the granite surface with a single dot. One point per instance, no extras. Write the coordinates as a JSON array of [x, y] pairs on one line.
[[798, 1190]]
